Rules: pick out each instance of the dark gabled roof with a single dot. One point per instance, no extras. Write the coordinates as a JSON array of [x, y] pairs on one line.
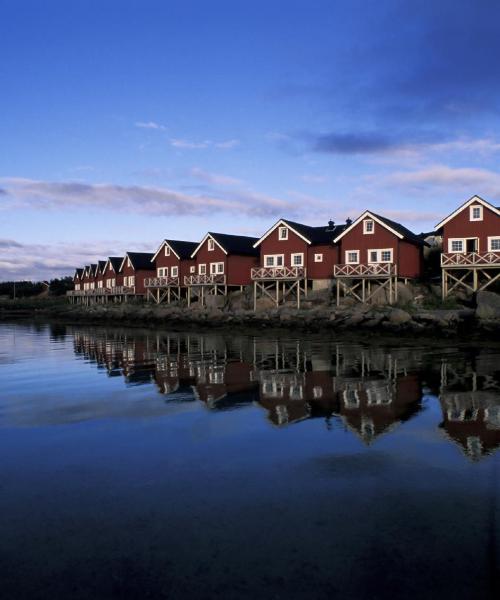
[[181, 248], [141, 260], [115, 261], [100, 265], [401, 229], [78, 273], [236, 244], [323, 234], [93, 268]]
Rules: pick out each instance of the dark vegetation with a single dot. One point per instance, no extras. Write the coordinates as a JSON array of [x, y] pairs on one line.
[[31, 289]]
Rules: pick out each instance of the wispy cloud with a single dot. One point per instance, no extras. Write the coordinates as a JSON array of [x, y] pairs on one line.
[[314, 178], [37, 262], [67, 195], [202, 144], [213, 178], [150, 125]]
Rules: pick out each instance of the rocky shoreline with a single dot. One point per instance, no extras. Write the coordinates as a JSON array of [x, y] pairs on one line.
[[480, 318]]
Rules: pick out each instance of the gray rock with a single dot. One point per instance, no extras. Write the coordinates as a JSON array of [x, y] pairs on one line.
[[488, 305], [397, 316]]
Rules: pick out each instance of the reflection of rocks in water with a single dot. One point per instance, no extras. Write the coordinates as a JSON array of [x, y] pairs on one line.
[[470, 401]]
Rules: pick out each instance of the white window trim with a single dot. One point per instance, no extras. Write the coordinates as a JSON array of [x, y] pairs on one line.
[[379, 255], [351, 262], [167, 250], [202, 269], [490, 240], [280, 230], [274, 257], [471, 212], [192, 269], [292, 261], [174, 271], [365, 228], [211, 245], [217, 268], [318, 258], [162, 271], [450, 242]]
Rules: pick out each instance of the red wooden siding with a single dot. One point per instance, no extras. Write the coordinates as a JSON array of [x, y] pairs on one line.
[[462, 227], [163, 261], [140, 276]]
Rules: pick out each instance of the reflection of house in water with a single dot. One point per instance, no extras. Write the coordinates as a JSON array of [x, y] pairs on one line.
[[369, 390], [470, 401], [376, 390]]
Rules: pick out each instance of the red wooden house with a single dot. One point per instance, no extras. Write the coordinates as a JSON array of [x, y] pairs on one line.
[[470, 259], [77, 280], [99, 277], [374, 253], [135, 268], [222, 262], [173, 263], [293, 257], [111, 273]]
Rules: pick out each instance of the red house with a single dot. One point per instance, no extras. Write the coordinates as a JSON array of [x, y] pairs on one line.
[[470, 259], [293, 257], [173, 263], [111, 273], [135, 268], [77, 279], [374, 253], [222, 262]]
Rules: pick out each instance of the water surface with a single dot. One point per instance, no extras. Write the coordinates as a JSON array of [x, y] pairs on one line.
[[155, 464]]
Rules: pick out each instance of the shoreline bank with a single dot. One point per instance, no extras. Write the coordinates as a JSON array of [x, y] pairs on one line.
[[484, 319]]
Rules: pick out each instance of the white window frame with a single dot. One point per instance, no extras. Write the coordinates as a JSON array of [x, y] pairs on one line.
[[129, 264], [202, 269], [192, 269], [283, 234], [167, 250], [378, 252], [217, 268], [318, 258], [292, 259], [274, 258], [174, 271], [351, 262], [473, 207], [450, 245], [211, 244], [365, 226], [131, 280], [162, 271], [100, 284], [491, 239]]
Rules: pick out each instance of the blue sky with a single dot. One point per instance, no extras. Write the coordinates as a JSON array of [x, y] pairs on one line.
[[125, 122]]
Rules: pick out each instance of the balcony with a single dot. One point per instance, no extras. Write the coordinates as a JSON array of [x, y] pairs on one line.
[[375, 270], [161, 282], [121, 290], [218, 279], [459, 260], [278, 273]]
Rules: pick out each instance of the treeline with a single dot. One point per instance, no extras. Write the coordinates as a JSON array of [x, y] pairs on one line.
[[30, 289]]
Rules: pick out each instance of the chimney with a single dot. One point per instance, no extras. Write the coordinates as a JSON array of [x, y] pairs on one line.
[[348, 221], [331, 225]]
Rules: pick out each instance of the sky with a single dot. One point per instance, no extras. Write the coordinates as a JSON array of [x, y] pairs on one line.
[[124, 122]]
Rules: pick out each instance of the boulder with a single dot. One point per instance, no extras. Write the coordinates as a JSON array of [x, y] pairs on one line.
[[397, 316], [488, 305], [406, 293]]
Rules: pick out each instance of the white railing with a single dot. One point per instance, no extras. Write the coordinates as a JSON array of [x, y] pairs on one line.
[[470, 259], [120, 290], [273, 273], [205, 279], [365, 270], [76, 293], [161, 282]]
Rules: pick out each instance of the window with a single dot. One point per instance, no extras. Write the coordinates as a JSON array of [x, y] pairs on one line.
[[273, 260], [163, 272], [455, 245], [131, 280], [476, 213], [352, 257], [129, 264], [174, 271], [494, 244], [211, 245], [283, 233], [368, 226], [297, 260], [100, 284], [202, 269], [167, 250], [216, 268], [380, 256], [318, 258], [192, 269], [317, 392]]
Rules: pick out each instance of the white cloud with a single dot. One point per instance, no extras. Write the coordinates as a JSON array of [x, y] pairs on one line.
[[200, 145], [213, 178], [227, 144], [150, 125]]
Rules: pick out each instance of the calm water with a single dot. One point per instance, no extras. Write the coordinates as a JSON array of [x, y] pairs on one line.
[[144, 464]]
